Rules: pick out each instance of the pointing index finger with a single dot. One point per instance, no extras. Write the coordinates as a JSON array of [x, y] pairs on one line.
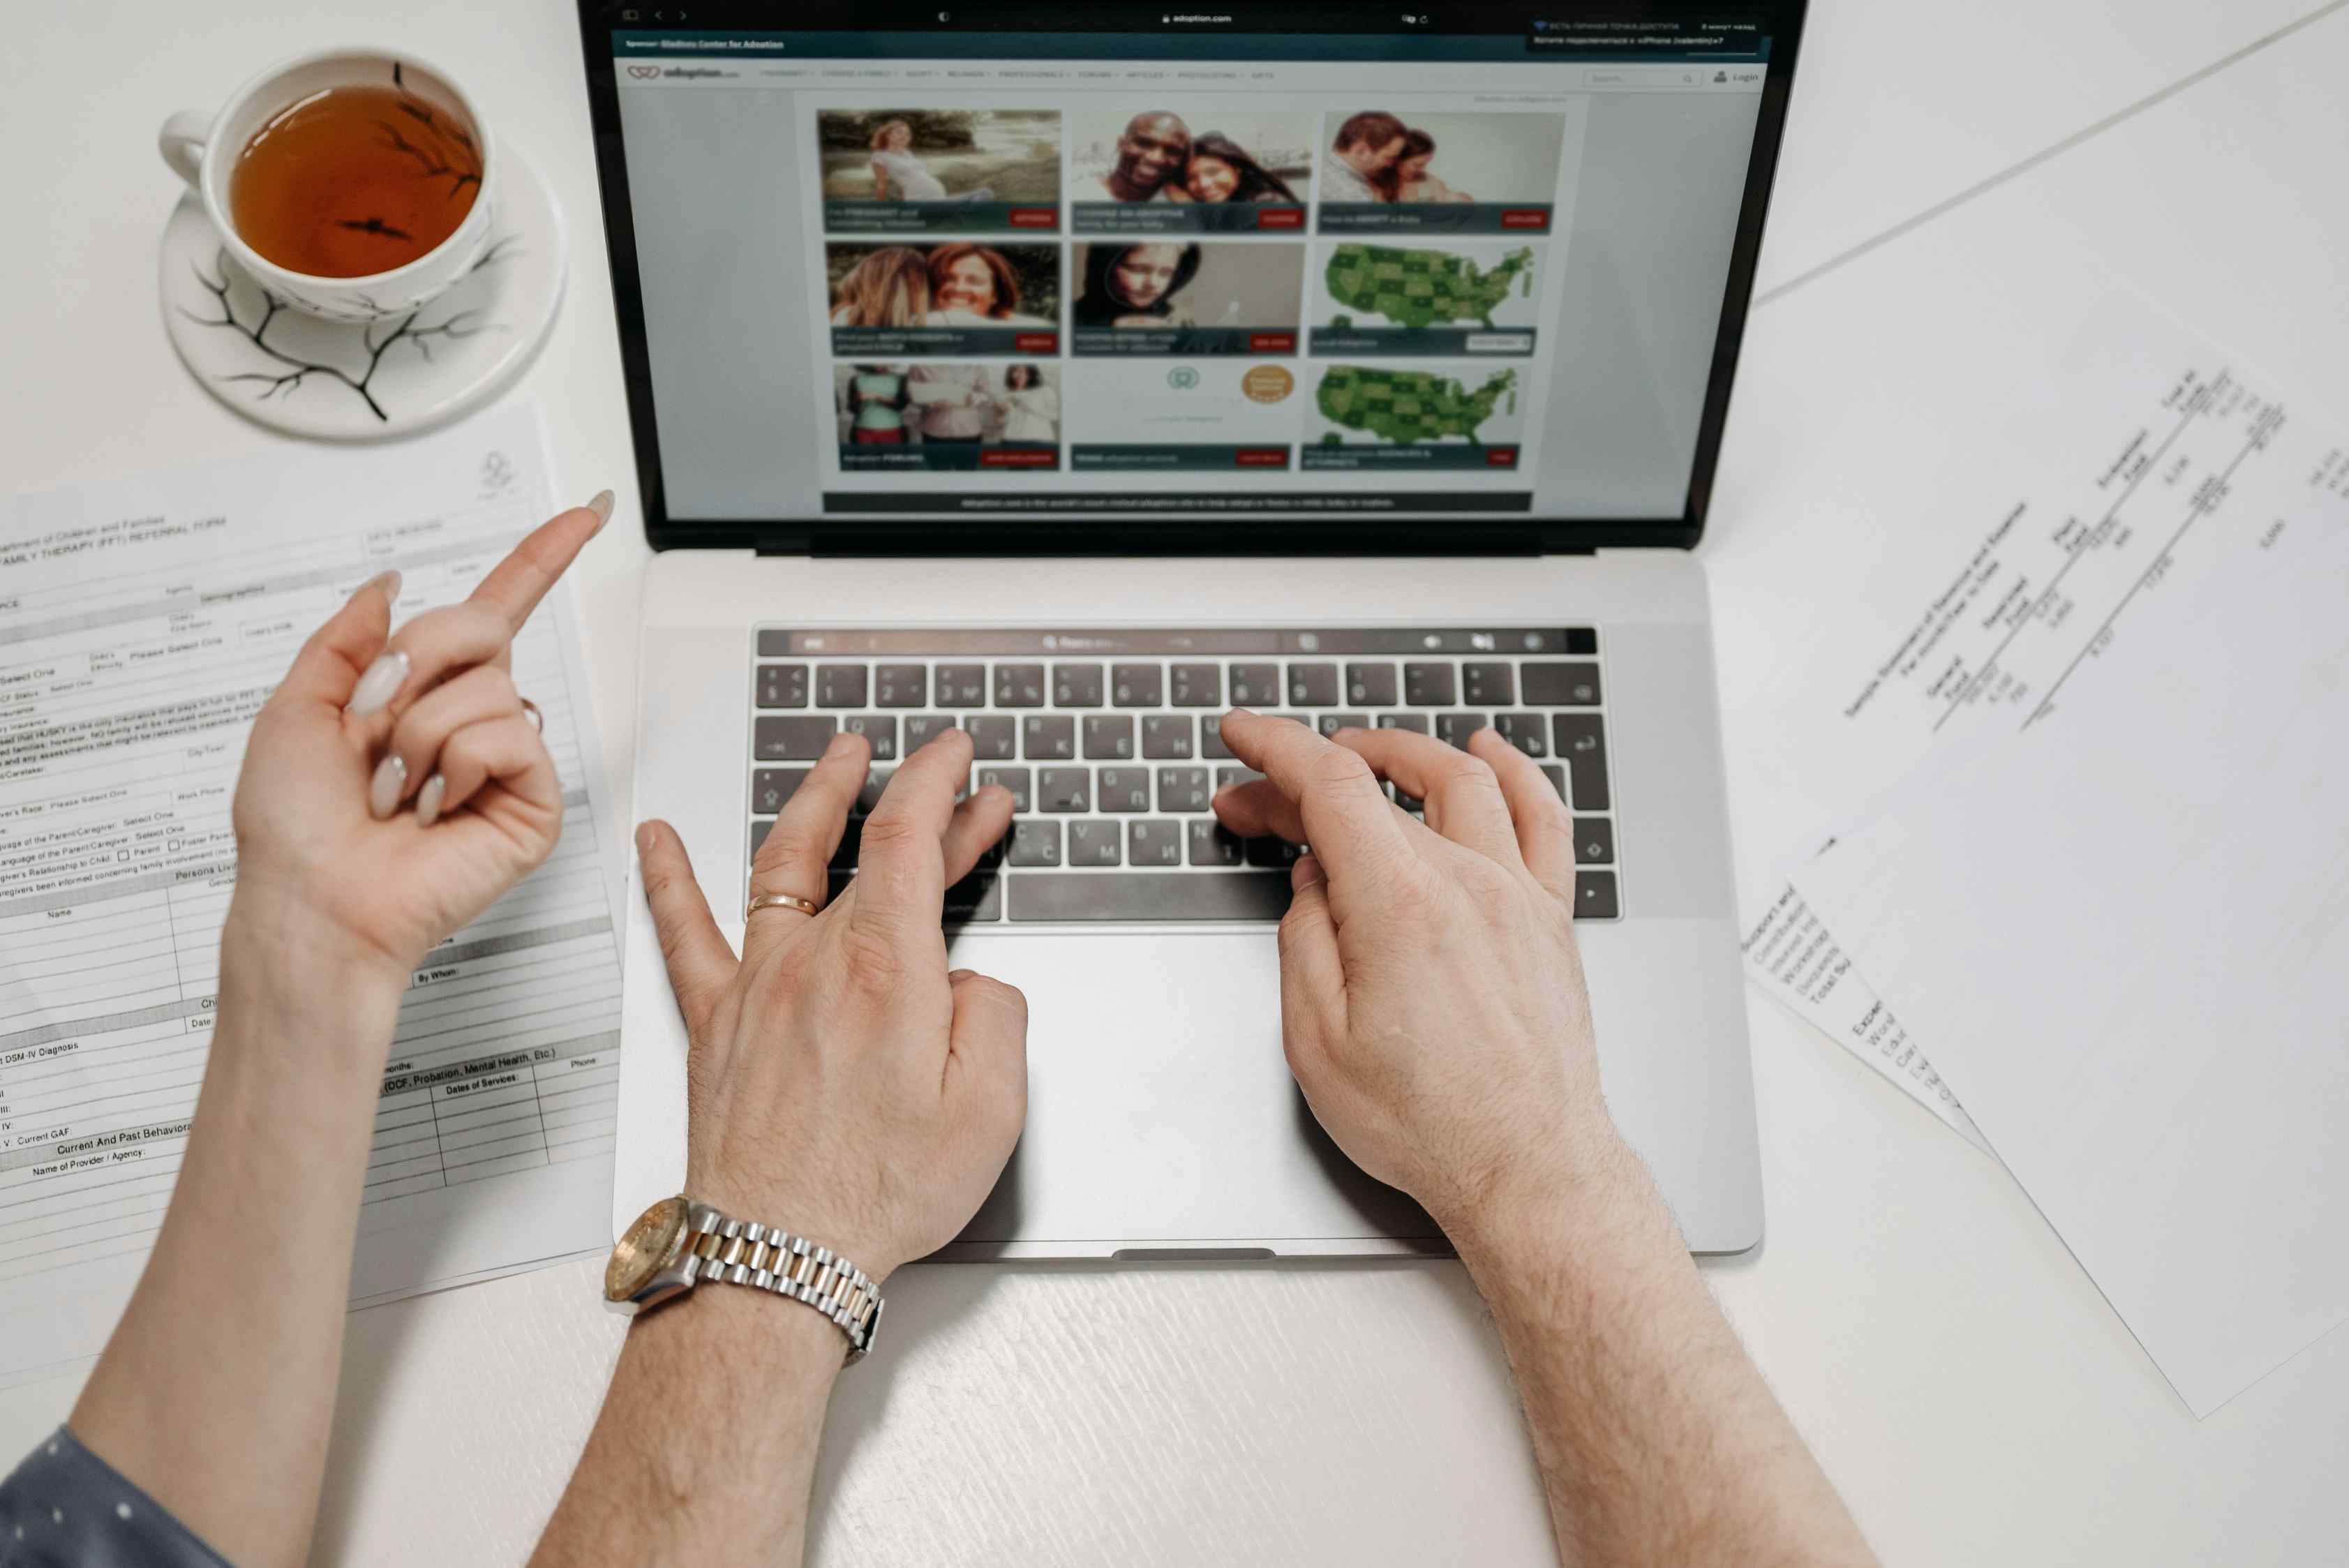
[[1346, 816], [517, 584]]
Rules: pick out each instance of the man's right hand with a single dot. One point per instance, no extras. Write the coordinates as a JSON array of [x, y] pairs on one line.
[[1432, 999]]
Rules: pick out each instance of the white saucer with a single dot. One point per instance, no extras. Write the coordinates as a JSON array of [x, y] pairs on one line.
[[339, 382]]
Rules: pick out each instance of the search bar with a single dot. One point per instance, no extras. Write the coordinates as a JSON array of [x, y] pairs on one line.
[[1645, 78]]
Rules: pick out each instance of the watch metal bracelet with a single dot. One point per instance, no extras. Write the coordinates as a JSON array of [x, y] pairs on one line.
[[720, 1248]]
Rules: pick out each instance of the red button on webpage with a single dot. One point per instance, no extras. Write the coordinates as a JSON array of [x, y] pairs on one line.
[[1037, 343], [1524, 217], [1272, 343], [1016, 458], [1035, 217], [1280, 217], [1261, 458], [1501, 457]]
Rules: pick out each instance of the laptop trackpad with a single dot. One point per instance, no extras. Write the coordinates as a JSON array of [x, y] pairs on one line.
[[1161, 1112]]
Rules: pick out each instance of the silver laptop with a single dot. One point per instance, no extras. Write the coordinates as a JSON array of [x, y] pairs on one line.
[[1067, 376]]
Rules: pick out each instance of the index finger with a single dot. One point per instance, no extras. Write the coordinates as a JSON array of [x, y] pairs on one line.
[[1346, 816], [517, 584], [901, 875]]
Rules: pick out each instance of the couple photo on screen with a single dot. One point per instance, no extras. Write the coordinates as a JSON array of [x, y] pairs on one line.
[[955, 284], [954, 405], [1156, 157], [1377, 158]]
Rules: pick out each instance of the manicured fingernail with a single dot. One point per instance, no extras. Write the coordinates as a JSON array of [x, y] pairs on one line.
[[645, 836], [388, 581], [841, 745], [601, 505], [378, 686], [390, 783], [428, 801]]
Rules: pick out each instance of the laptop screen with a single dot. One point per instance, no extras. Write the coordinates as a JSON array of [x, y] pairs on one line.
[[1068, 262]]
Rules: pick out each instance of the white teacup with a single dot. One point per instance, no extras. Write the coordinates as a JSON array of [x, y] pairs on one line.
[[203, 150]]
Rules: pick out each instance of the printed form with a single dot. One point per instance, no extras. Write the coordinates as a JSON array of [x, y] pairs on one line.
[[2165, 469], [142, 624]]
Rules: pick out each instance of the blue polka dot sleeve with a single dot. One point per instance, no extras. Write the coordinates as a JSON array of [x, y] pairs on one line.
[[66, 1507]]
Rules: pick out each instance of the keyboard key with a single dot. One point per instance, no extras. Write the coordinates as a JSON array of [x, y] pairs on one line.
[[1166, 734], [1273, 853], [975, 899], [1135, 685], [1211, 738], [1197, 686], [1332, 722], [1594, 842], [1561, 686], [1109, 736], [774, 644], [771, 787], [1557, 778], [1015, 779], [1371, 685], [880, 730], [1594, 896], [780, 739], [1414, 722], [1154, 843], [1184, 789], [782, 686], [868, 798], [1123, 789], [1313, 686], [994, 736], [1232, 778], [1579, 739], [1455, 729], [1493, 686], [1093, 842], [1213, 844], [1076, 685], [1255, 686], [921, 729], [1581, 640], [1064, 790], [1526, 731], [1143, 896], [962, 685], [901, 686], [759, 827], [1429, 685], [1019, 685], [840, 686], [1048, 737], [1035, 842]]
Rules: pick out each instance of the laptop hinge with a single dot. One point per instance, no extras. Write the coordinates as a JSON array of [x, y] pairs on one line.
[[786, 541]]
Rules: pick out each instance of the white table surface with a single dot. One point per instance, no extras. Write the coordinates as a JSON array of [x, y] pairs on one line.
[[1958, 1376]]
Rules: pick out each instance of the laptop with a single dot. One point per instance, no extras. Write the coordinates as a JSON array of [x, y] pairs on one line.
[[1068, 373]]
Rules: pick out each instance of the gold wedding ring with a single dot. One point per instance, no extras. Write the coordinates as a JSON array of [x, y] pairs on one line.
[[777, 901]]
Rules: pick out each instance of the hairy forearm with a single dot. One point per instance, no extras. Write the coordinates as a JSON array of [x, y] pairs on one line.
[[1657, 1439], [217, 1389], [705, 1446]]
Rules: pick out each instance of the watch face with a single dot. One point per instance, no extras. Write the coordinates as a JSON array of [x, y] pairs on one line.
[[643, 1248]]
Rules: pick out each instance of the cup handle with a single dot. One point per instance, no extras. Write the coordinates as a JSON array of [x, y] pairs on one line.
[[181, 141]]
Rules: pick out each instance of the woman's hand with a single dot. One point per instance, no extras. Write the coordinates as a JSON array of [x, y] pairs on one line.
[[1431, 1000], [368, 721], [840, 1082]]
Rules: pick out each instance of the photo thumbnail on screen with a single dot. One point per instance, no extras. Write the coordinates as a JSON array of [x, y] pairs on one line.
[[1382, 417], [939, 171], [1183, 297], [1189, 171], [1465, 297], [959, 297], [924, 418], [1210, 417], [1389, 172]]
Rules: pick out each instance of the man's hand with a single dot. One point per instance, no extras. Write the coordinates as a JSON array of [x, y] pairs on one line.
[[1432, 1001], [841, 1083]]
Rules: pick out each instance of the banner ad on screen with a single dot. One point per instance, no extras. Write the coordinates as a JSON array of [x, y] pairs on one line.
[[1190, 168]]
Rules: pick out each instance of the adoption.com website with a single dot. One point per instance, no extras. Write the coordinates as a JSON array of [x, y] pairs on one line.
[[1052, 286]]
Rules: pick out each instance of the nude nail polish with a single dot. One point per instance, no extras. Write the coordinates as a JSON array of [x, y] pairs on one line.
[[428, 801], [390, 783], [378, 686], [389, 582], [601, 505]]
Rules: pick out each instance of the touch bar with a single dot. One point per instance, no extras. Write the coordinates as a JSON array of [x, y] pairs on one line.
[[1083, 896]]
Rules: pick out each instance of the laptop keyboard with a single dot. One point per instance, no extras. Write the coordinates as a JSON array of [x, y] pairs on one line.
[[1108, 742]]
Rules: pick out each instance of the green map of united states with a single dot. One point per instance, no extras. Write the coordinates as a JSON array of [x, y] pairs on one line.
[[1424, 288], [1409, 405]]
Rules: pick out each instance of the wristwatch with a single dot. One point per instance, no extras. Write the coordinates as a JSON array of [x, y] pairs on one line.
[[681, 1242]]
